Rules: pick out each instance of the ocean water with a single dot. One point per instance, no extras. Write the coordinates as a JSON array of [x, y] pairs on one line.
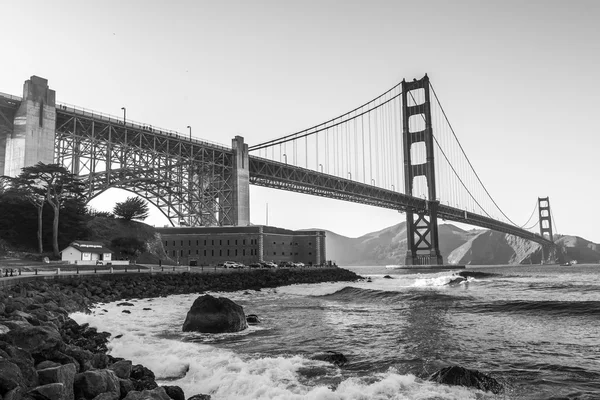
[[536, 329]]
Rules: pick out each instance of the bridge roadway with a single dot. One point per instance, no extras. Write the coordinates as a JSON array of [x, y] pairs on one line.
[[273, 174]]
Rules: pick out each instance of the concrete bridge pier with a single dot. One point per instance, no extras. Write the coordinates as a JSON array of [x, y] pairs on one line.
[[32, 138], [240, 182]]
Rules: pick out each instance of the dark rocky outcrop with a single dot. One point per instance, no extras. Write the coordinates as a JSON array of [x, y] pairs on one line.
[[388, 277], [174, 392], [252, 319], [210, 314], [158, 393], [331, 356], [46, 355], [460, 376]]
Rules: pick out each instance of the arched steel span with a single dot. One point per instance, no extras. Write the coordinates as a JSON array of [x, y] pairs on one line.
[[188, 181]]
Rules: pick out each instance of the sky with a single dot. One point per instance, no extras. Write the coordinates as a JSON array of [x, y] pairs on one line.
[[518, 80]]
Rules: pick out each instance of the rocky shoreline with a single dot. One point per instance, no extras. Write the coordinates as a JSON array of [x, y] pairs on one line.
[[44, 354]]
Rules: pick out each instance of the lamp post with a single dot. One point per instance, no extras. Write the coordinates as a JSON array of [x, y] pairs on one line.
[[124, 114], [190, 128], [321, 166], [372, 181], [285, 157], [393, 188], [350, 175]]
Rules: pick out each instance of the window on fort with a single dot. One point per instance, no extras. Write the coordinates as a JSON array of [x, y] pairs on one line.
[[197, 242], [174, 254], [205, 242], [236, 252], [244, 242], [189, 252], [290, 243], [173, 243], [310, 243], [182, 242], [227, 243], [310, 254], [227, 252], [274, 243], [282, 253], [204, 253], [196, 251], [212, 253], [220, 253], [180, 253], [236, 242], [212, 242], [296, 253], [220, 242], [189, 242], [296, 243], [166, 242], [244, 252], [282, 243]]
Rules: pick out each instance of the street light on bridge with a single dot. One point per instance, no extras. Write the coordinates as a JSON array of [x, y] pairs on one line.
[[285, 156], [350, 175], [124, 115], [190, 128], [393, 188], [372, 181], [321, 165]]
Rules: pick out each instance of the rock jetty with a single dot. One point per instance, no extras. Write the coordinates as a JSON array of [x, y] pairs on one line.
[[44, 354]]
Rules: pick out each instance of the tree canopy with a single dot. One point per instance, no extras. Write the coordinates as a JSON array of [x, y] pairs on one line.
[[132, 208]]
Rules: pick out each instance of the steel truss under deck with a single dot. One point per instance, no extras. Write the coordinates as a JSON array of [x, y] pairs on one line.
[[188, 180]]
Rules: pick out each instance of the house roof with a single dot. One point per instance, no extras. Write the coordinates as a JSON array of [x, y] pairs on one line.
[[90, 247]]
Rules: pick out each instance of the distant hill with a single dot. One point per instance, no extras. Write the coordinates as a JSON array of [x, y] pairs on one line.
[[474, 247]]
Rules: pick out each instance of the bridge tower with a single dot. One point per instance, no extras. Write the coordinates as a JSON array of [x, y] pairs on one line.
[[421, 225], [545, 217], [32, 137]]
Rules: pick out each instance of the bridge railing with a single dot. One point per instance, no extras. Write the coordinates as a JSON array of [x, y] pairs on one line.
[[134, 124], [10, 96]]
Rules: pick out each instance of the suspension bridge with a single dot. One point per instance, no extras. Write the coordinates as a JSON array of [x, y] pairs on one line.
[[396, 151]]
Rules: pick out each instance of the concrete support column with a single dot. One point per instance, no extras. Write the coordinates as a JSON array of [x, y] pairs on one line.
[[32, 139], [240, 182]]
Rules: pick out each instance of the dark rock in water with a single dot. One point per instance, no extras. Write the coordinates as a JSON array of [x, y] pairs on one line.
[[125, 304], [126, 311], [51, 391], [146, 309], [252, 319], [457, 280], [119, 336], [174, 392], [104, 310], [460, 376], [388, 277], [142, 378], [200, 397], [215, 315], [331, 356]]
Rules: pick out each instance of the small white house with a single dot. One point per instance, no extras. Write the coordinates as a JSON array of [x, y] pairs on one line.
[[86, 253]]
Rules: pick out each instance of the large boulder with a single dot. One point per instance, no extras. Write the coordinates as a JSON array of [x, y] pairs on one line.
[[122, 368], [215, 315], [154, 394], [64, 374], [142, 378], [10, 376], [52, 391], [90, 384], [35, 339], [460, 376], [174, 392]]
